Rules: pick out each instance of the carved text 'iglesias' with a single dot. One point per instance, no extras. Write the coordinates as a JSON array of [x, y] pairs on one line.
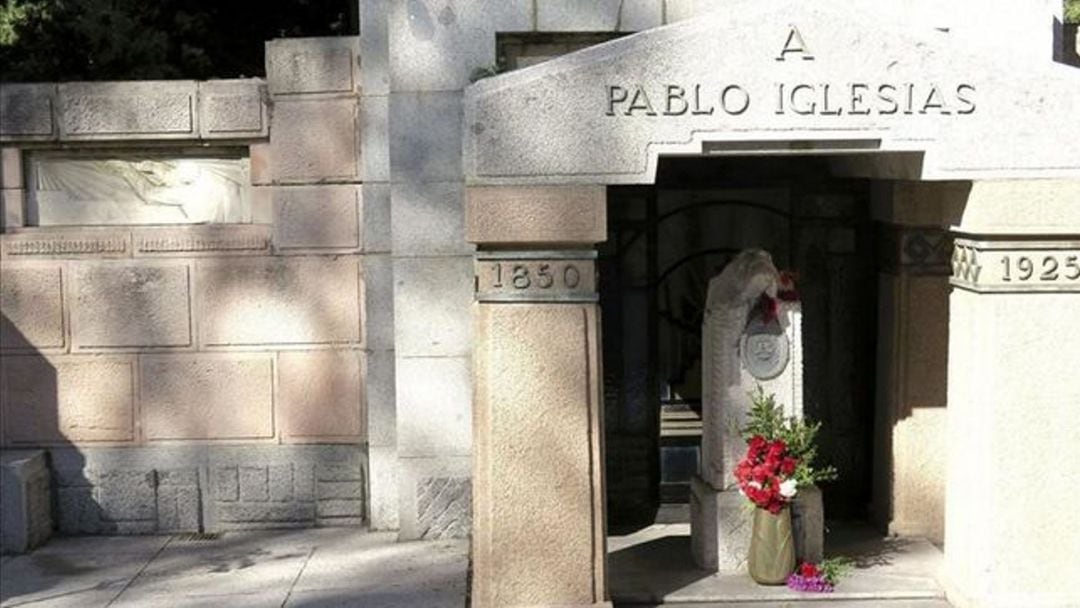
[[806, 99]]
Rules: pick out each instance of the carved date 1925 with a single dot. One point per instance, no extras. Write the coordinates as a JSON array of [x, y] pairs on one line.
[[1046, 268]]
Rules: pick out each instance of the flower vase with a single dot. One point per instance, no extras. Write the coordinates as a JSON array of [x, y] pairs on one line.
[[772, 547]]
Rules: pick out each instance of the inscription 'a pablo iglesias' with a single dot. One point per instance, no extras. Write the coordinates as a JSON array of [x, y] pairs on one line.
[[800, 98], [805, 99]]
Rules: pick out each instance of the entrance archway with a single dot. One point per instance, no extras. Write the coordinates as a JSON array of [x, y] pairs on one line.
[[892, 103]]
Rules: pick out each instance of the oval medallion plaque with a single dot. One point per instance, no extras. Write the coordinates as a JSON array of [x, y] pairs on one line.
[[764, 349]]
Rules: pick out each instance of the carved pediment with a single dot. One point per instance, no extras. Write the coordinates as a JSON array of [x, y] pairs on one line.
[[775, 77]]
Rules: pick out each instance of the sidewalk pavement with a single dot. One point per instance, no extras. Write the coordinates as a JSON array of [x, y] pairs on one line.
[[311, 568]]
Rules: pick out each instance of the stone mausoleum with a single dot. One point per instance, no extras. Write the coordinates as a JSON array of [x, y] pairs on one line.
[[448, 277]]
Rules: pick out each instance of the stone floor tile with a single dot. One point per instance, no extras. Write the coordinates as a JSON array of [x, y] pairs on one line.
[[403, 598], [173, 600], [115, 545], [67, 578], [391, 570], [220, 568], [653, 565]]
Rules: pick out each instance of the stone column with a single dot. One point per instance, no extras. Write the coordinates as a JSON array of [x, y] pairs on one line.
[[538, 501], [1013, 439], [912, 355]]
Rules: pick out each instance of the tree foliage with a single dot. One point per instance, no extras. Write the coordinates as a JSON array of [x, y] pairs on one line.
[[1072, 11], [49, 40]]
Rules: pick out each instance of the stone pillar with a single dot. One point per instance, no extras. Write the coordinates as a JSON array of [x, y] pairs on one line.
[[912, 356], [1013, 432], [538, 501]]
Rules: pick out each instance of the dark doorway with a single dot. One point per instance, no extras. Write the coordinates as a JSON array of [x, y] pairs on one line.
[[664, 244]]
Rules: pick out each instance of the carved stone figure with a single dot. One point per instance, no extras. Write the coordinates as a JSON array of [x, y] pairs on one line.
[[740, 350], [731, 296]]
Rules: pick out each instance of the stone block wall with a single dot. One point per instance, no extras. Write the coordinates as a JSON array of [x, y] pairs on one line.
[[210, 352]]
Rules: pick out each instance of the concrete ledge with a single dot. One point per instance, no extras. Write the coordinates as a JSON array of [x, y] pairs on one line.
[[25, 513], [545, 215], [146, 110]]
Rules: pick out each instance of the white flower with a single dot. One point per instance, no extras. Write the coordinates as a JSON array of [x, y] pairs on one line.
[[755, 485], [787, 488]]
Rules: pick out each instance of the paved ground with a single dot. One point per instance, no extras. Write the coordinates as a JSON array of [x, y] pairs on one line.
[[341, 567], [309, 568], [653, 566]]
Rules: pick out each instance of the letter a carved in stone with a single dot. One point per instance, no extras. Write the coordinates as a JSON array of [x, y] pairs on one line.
[[795, 44]]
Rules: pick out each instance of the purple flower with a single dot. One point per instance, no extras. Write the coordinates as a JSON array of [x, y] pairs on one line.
[[813, 584]]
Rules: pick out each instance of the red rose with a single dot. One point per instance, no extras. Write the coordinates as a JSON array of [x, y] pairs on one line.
[[756, 445], [787, 467], [809, 570]]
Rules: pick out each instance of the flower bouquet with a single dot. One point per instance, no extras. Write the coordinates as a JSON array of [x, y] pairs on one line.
[[765, 477], [819, 578]]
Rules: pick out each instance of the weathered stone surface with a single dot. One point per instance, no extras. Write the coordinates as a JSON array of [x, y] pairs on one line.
[[343, 490], [126, 495], [25, 511], [537, 395], [67, 399], [378, 302], [1005, 386], [232, 108], [206, 396], [383, 496], [68, 242], [261, 172], [200, 240], [433, 406], [569, 15], [227, 484], [317, 217], [130, 110], [339, 508], [544, 214], [374, 137], [375, 47], [31, 305], [321, 395], [26, 111], [436, 47], [262, 204], [12, 208], [339, 471], [315, 140], [425, 136], [1005, 206], [410, 472], [589, 122], [380, 402], [429, 218], [444, 507], [280, 482], [119, 305], [292, 300], [375, 198], [432, 307], [719, 528], [254, 484], [11, 168], [312, 65], [178, 508], [638, 15], [266, 513]]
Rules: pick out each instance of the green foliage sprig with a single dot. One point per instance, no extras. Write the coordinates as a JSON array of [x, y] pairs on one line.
[[766, 418], [835, 568]]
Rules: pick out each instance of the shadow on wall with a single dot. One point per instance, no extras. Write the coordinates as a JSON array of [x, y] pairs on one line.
[[29, 397]]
